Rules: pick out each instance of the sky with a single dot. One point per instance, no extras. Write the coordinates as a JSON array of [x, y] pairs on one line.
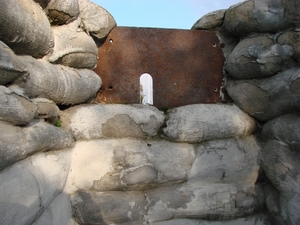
[[177, 14]]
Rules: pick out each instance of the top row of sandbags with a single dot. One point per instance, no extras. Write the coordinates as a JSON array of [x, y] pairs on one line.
[[25, 25]]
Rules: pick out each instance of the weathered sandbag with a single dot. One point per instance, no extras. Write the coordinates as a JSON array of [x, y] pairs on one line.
[[112, 121], [210, 21], [257, 219], [281, 166], [46, 109], [201, 122], [11, 67], [291, 38], [258, 57], [292, 12], [61, 12], [59, 212], [128, 164], [61, 84], [17, 143], [283, 208], [16, 109], [73, 47], [187, 200], [25, 27], [267, 98], [29, 186], [285, 128], [95, 19], [215, 163], [93, 207], [254, 16]]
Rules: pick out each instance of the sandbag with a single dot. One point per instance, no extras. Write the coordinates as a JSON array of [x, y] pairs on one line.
[[58, 83], [95, 19], [284, 128], [46, 109], [29, 186], [201, 122], [261, 16], [281, 166], [11, 67], [112, 121], [59, 212], [60, 12], [25, 28], [73, 47], [16, 109], [17, 143], [258, 57], [128, 164], [267, 98], [187, 200]]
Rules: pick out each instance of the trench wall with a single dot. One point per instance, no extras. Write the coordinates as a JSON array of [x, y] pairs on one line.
[[66, 160]]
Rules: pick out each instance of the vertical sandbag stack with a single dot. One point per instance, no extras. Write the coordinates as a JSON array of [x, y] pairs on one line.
[[263, 79], [46, 60]]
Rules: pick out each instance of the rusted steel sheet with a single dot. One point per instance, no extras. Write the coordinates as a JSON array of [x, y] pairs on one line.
[[186, 66]]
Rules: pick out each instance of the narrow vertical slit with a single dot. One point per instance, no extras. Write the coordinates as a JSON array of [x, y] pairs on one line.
[[146, 89]]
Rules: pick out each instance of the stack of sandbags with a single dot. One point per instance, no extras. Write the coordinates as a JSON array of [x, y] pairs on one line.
[[46, 59], [207, 168], [263, 79]]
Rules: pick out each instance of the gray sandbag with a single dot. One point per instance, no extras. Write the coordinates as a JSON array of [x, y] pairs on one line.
[[202, 122], [187, 200], [95, 19], [93, 207], [128, 164], [25, 27], [73, 47], [257, 219], [258, 57], [29, 186], [292, 12], [16, 109], [17, 143], [267, 98], [58, 83], [92, 121], [209, 21], [46, 109], [61, 12], [280, 164], [282, 207], [255, 16], [232, 160], [284, 128], [291, 38], [11, 67], [59, 212]]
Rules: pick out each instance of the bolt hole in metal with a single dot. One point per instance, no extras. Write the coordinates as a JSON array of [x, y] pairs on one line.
[[214, 45], [216, 89], [110, 87], [146, 89]]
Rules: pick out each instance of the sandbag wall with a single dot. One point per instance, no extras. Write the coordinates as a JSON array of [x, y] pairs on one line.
[[263, 79], [47, 56], [218, 164]]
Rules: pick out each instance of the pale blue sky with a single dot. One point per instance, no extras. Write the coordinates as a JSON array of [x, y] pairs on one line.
[[181, 14]]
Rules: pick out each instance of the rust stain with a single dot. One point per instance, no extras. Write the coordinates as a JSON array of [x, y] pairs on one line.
[[186, 66]]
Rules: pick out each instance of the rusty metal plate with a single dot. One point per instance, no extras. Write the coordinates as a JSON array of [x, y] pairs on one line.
[[186, 66]]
